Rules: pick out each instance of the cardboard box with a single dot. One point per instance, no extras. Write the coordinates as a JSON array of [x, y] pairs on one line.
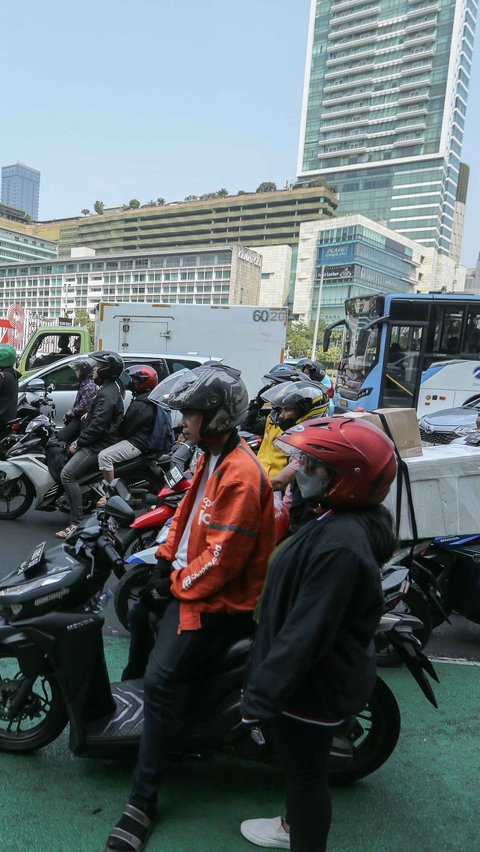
[[403, 426], [445, 484]]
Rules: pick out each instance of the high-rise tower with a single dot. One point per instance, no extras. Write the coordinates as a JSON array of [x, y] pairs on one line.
[[384, 107], [21, 188]]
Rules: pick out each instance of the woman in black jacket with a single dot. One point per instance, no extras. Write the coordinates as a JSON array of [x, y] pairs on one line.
[[313, 659], [138, 422]]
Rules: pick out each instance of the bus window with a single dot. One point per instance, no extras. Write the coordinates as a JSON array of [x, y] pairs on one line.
[[472, 332], [447, 332]]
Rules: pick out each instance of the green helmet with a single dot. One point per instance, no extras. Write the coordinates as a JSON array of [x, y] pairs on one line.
[[8, 355]]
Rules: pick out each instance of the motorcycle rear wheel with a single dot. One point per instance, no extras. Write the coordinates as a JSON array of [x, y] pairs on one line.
[[42, 717], [374, 736], [11, 490], [127, 591]]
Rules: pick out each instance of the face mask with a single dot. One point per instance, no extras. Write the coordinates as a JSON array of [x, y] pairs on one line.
[[313, 484], [286, 422]]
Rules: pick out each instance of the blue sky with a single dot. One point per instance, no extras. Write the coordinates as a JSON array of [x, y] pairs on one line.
[[116, 99]]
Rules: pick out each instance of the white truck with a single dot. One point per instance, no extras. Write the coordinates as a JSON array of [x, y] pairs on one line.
[[249, 337]]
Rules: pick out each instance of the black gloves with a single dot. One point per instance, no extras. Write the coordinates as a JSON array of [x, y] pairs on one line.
[[157, 592]]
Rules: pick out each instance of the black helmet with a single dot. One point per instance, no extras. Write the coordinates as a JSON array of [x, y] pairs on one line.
[[306, 397], [282, 373], [84, 365], [110, 364], [215, 390], [316, 369]]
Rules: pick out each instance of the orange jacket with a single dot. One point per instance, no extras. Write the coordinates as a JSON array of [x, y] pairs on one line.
[[231, 538]]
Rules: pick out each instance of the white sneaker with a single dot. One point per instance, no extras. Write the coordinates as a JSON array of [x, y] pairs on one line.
[[269, 833]]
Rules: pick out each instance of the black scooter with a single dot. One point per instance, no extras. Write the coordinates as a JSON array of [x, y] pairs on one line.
[[53, 671]]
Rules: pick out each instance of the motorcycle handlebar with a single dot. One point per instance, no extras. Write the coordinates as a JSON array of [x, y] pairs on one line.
[[115, 559]]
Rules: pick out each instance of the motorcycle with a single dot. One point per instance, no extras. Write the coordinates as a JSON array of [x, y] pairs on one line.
[[33, 407], [25, 477], [53, 669], [446, 570]]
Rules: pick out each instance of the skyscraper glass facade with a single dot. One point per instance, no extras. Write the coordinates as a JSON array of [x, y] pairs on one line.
[[384, 109], [21, 188]]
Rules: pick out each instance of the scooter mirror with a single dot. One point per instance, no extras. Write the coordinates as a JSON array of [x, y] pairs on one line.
[[120, 511], [118, 488]]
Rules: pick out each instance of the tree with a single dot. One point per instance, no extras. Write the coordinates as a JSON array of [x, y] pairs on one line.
[[134, 204], [99, 207], [191, 198], [242, 192], [85, 211], [82, 317], [160, 202], [266, 186], [300, 340]]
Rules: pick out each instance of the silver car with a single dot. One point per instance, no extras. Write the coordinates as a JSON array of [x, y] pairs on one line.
[[65, 384], [449, 424]]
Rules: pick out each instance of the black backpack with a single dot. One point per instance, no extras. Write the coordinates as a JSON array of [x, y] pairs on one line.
[[163, 436]]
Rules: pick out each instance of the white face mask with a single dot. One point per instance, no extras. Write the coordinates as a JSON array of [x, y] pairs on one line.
[[315, 483]]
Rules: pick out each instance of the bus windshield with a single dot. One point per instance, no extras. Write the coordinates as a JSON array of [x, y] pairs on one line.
[[355, 366]]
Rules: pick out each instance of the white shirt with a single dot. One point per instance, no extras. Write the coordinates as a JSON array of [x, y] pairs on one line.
[[180, 560]]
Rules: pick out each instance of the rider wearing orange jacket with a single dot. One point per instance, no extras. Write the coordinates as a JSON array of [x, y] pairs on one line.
[[209, 575]]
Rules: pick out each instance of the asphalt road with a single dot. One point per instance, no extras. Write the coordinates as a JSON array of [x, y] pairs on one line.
[[460, 640]]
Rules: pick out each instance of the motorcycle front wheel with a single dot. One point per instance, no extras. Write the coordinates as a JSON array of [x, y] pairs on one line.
[[372, 734], [42, 715], [16, 497], [127, 591], [136, 540]]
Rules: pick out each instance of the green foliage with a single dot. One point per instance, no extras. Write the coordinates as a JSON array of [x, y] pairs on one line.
[[99, 207], [191, 198], [82, 317], [300, 341], [133, 204], [242, 192], [266, 186], [85, 211], [160, 202]]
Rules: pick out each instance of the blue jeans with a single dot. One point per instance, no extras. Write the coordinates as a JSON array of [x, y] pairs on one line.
[[176, 661]]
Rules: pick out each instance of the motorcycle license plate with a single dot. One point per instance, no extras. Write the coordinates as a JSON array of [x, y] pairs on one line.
[[37, 555], [173, 476]]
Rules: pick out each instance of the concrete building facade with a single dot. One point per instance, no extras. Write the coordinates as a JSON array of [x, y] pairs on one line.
[[385, 98], [17, 246], [215, 276]]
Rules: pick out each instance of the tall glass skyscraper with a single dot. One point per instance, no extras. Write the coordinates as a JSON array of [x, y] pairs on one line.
[[385, 98], [21, 188]]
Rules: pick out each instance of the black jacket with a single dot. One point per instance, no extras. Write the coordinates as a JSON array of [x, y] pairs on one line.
[[314, 653], [137, 424], [103, 420], [8, 394]]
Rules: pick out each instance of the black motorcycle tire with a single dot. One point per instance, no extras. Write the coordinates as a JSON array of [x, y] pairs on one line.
[[47, 730], [25, 505], [416, 604], [376, 747], [136, 540], [127, 591]]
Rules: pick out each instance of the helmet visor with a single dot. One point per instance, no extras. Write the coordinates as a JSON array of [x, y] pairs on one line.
[[313, 477], [167, 386]]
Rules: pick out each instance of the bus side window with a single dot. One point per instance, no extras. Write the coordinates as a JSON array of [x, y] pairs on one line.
[[472, 332]]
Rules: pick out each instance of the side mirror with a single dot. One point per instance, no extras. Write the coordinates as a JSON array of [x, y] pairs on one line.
[[117, 488], [35, 386], [120, 511]]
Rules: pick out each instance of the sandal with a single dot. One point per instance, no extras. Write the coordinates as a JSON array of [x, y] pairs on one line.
[[66, 532], [131, 832]]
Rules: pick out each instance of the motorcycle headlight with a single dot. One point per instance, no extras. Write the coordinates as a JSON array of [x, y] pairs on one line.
[[39, 583]]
